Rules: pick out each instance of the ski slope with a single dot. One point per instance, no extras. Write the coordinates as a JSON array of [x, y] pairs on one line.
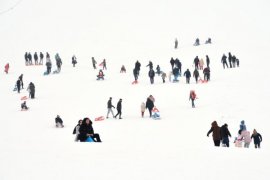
[[174, 147]]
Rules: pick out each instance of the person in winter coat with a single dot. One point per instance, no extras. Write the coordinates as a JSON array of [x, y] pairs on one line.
[[119, 109], [208, 41], [163, 76], [104, 64], [172, 62], [158, 70], [175, 73], [26, 59], [138, 67], [196, 75], [18, 85], [135, 74], [151, 75], [109, 107], [76, 130], [150, 104], [197, 42], [225, 134], [206, 73], [143, 109], [257, 138], [178, 64], [150, 65], [175, 43], [48, 64], [196, 62], [41, 56], [188, 75], [207, 61], [36, 58], [123, 69], [30, 58], [100, 75], [74, 60], [230, 59], [224, 61], [215, 129], [21, 79], [58, 62], [86, 130], [31, 89], [58, 122], [94, 62], [201, 63], [192, 97], [24, 106], [6, 68], [245, 136]]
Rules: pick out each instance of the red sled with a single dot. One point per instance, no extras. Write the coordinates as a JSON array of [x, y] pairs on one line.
[[202, 81], [24, 98], [135, 82], [101, 64], [100, 118]]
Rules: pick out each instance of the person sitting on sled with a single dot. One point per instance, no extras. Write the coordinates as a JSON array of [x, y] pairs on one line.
[[100, 75]]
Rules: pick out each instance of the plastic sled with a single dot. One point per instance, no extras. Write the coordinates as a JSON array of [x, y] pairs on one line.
[[135, 82], [89, 139], [45, 73], [24, 98], [100, 118]]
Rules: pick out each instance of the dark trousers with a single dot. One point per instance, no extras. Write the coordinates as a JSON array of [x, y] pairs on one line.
[[150, 112], [119, 112], [217, 142], [258, 145], [192, 103], [225, 141], [96, 138]]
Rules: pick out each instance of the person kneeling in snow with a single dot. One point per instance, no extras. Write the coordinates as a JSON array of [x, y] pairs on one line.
[[24, 107], [100, 75], [58, 122]]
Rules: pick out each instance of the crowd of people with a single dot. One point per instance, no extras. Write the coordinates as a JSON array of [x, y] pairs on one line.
[[84, 130]]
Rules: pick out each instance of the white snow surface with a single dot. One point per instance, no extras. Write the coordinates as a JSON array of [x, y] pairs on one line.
[[175, 147]]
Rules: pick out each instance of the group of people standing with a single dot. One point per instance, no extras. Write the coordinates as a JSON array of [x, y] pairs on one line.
[[222, 134], [28, 58]]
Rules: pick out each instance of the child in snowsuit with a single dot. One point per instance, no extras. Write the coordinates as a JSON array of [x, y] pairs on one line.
[[123, 69], [100, 75]]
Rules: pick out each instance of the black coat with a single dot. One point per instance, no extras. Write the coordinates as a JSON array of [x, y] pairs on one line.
[[151, 73], [149, 104], [119, 105], [84, 130], [58, 120], [257, 138], [187, 74], [224, 132], [109, 104]]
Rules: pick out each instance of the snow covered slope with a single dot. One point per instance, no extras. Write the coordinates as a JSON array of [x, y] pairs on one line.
[[175, 147]]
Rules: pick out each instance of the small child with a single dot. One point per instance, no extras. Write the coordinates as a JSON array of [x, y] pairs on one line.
[[143, 109], [123, 69], [257, 138], [163, 75]]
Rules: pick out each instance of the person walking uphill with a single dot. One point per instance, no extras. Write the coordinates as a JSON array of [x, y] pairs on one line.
[[31, 89], [150, 104], [119, 109], [215, 129], [225, 133], [86, 130], [110, 106]]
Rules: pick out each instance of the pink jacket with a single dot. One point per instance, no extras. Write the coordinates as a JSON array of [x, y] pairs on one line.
[[246, 136]]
